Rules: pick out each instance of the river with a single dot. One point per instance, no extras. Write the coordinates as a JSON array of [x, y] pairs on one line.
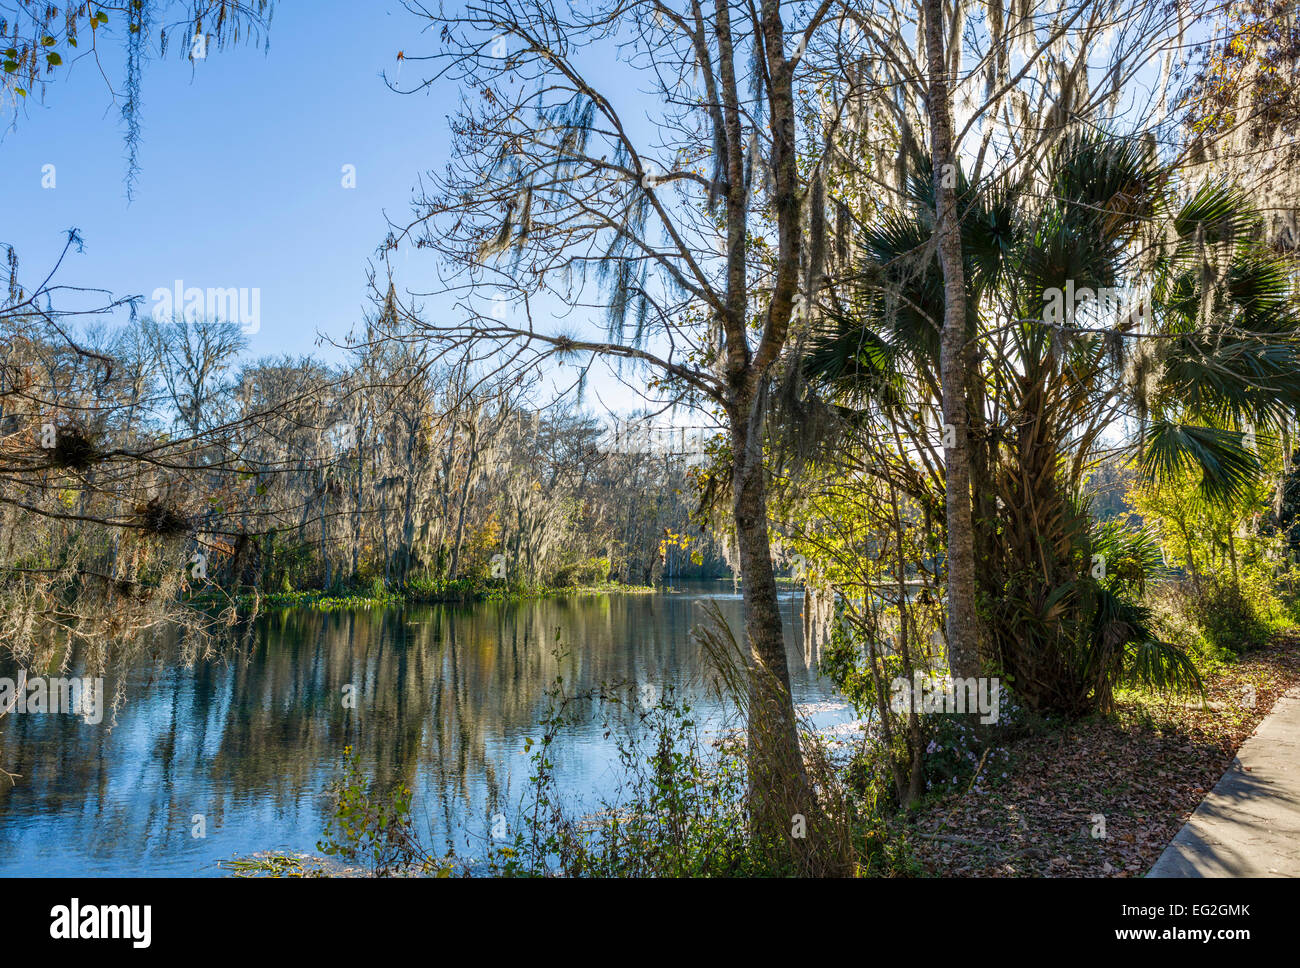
[[441, 697]]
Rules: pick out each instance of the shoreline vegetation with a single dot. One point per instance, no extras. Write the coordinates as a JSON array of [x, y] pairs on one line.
[[445, 593]]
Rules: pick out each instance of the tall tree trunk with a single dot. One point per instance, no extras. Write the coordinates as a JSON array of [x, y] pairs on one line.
[[916, 775], [984, 510], [324, 547], [470, 467], [779, 787], [963, 632]]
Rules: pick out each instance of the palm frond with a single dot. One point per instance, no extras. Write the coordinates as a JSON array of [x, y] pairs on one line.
[[1161, 667], [1227, 467]]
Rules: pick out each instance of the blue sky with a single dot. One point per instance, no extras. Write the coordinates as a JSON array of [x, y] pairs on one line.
[[240, 182]]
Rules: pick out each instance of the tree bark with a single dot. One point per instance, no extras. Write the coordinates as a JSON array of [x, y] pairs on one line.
[[470, 467], [963, 631], [779, 785]]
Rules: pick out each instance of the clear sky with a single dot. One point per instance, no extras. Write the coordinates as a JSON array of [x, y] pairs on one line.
[[241, 170], [241, 175]]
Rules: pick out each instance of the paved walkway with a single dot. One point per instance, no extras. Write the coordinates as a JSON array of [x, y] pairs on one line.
[[1249, 824]]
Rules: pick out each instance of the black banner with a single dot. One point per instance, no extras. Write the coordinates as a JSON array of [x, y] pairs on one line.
[[338, 917]]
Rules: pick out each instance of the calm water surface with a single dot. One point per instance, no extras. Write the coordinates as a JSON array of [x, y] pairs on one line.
[[445, 697]]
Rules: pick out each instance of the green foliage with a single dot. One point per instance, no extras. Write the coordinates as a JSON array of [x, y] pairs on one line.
[[370, 826], [1285, 517], [325, 601], [575, 571], [680, 813], [843, 664], [423, 587], [1223, 372], [1232, 557], [1236, 616], [959, 753], [1177, 616], [418, 589], [1225, 465], [1129, 557]]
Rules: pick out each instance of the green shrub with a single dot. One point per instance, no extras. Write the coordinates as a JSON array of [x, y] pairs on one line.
[[1218, 619], [680, 812], [1231, 616], [369, 826], [1176, 616]]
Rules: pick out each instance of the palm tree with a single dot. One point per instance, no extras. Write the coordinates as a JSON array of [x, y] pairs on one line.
[[1104, 314]]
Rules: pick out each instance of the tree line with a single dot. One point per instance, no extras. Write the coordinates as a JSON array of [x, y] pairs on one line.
[[153, 463]]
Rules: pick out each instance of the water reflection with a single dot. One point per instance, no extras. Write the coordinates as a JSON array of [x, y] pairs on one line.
[[444, 697]]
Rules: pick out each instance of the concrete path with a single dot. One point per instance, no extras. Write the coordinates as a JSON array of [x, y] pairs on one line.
[[1249, 824]]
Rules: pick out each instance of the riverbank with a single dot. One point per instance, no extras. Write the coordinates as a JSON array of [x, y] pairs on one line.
[[461, 593], [1103, 797]]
